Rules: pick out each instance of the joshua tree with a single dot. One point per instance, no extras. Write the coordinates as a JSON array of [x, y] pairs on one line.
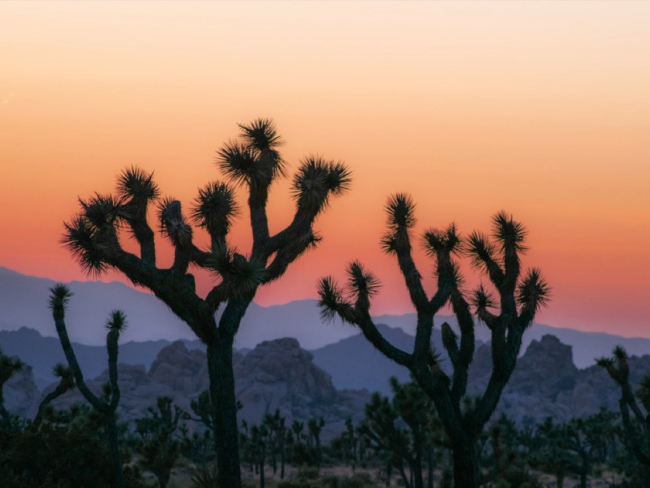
[[276, 439], [519, 300], [106, 406], [636, 435], [93, 237], [315, 426], [8, 367]]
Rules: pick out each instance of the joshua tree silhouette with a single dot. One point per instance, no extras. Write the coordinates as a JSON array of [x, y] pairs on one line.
[[93, 237], [107, 405], [637, 436], [8, 367], [519, 300]]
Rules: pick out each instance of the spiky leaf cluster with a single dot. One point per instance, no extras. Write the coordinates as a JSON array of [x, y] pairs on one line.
[[448, 240], [482, 299], [137, 184], [8, 367], [400, 210], [59, 297], [117, 321], [508, 232], [215, 208], [362, 284], [239, 274], [256, 159], [317, 179], [172, 222], [533, 291]]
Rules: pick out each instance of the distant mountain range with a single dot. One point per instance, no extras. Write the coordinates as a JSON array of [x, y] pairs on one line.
[[338, 348]]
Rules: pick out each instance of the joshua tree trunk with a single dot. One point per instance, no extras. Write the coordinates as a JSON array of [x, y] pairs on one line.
[[222, 393], [114, 446], [4, 414], [466, 469], [430, 466], [416, 469]]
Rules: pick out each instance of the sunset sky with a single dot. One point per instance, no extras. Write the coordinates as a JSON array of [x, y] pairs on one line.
[[539, 109]]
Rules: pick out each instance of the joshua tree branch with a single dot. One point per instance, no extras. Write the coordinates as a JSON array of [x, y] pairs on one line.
[[370, 332], [632, 435], [74, 366], [467, 344], [287, 255]]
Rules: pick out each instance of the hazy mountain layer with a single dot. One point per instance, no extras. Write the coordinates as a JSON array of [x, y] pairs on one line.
[[23, 302]]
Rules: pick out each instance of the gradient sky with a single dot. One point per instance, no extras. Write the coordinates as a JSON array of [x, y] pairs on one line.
[[541, 109]]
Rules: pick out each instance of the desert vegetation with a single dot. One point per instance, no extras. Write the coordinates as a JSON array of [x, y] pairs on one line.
[[401, 441], [519, 297], [428, 432]]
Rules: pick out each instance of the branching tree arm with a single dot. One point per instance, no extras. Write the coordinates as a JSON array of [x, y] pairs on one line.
[[332, 304], [66, 383], [60, 295]]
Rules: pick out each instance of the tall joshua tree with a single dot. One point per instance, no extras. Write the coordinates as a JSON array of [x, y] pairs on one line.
[[637, 436], [106, 406], [254, 162], [520, 297]]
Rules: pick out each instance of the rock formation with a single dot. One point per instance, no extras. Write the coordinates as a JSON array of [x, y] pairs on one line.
[[281, 375], [276, 374]]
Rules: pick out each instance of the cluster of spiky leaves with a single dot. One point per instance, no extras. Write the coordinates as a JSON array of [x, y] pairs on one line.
[[401, 218], [240, 275], [317, 179], [8, 367], [65, 374], [533, 291], [172, 222], [482, 299], [135, 183], [60, 295], [256, 159], [361, 283], [215, 208], [117, 321], [435, 241], [80, 239]]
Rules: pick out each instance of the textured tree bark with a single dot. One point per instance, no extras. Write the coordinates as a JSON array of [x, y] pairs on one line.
[[466, 469], [418, 479], [222, 393], [111, 430]]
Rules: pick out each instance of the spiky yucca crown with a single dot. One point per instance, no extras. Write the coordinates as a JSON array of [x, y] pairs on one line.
[[93, 235], [8, 367], [532, 290]]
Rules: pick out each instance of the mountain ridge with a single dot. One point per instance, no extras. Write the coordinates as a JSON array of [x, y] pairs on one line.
[[23, 303]]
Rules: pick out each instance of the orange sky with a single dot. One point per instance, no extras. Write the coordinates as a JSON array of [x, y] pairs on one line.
[[541, 109]]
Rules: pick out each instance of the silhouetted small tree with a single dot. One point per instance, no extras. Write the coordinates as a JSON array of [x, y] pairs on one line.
[[520, 297], [254, 162], [403, 431], [107, 405], [636, 428], [8, 367], [158, 446]]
